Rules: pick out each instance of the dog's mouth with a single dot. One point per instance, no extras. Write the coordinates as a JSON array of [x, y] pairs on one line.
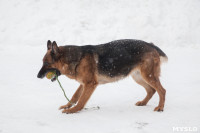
[[43, 73], [57, 73], [54, 78]]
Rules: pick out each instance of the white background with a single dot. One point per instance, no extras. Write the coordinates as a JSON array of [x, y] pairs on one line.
[[30, 105]]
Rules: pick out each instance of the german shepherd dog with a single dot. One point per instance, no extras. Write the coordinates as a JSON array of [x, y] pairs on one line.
[[92, 65]]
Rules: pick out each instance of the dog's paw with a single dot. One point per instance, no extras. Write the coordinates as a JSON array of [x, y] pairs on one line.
[[69, 105], [72, 110], [69, 111], [159, 108], [140, 103], [66, 111], [62, 107]]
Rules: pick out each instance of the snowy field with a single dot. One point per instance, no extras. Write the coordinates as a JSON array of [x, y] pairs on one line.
[[30, 105]]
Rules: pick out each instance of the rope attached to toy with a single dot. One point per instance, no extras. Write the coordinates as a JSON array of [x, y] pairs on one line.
[[51, 75], [62, 88]]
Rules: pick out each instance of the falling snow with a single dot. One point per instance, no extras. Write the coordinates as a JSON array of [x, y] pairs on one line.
[[30, 105]]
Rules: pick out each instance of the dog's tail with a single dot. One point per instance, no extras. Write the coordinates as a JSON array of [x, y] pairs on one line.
[[163, 56]]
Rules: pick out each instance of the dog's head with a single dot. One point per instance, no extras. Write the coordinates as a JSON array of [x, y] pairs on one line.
[[50, 61]]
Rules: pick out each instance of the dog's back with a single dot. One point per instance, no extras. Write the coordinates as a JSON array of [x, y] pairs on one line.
[[118, 58]]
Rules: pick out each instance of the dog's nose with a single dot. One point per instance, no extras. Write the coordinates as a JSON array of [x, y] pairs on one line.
[[41, 73], [39, 76]]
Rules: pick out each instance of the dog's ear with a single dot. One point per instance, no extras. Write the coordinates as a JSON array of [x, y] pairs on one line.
[[55, 49], [49, 45]]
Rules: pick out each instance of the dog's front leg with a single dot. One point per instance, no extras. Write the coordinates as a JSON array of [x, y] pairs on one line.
[[74, 98], [88, 89]]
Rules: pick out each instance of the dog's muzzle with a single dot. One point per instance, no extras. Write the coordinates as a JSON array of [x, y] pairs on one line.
[[43, 71]]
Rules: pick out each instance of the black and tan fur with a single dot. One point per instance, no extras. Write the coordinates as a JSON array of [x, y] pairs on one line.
[[92, 65]]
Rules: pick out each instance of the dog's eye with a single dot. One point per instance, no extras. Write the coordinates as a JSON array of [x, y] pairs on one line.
[[46, 63]]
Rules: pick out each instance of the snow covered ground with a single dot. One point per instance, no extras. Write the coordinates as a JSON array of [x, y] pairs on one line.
[[28, 104]]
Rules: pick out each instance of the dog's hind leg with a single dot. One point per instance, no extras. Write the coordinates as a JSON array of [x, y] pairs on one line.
[[74, 98], [136, 75], [150, 71]]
